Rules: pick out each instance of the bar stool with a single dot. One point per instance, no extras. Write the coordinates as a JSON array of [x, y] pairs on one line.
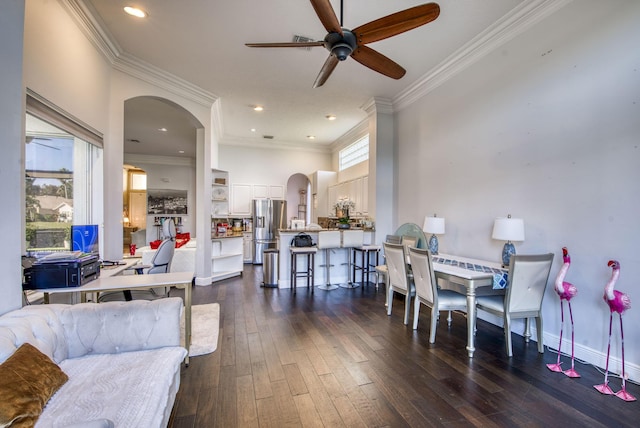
[[328, 240], [351, 239], [366, 267], [310, 253]]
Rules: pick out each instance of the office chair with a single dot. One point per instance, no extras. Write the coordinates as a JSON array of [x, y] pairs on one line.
[[160, 263]]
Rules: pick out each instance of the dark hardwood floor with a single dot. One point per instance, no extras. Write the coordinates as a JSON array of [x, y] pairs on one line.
[[336, 359]]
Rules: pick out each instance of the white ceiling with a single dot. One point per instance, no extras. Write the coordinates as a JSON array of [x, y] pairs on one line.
[[202, 42]]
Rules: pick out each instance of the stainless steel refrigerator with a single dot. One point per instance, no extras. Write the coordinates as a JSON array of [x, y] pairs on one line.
[[269, 215]]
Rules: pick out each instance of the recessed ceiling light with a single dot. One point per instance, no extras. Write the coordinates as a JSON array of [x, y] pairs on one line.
[[162, 129], [134, 11], [258, 108], [253, 129], [311, 137], [181, 151], [330, 117]]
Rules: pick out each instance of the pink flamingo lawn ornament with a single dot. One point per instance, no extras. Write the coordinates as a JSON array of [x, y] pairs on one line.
[[618, 302], [566, 291]]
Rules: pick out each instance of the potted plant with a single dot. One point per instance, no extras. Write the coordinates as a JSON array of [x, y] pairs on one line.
[[342, 208]]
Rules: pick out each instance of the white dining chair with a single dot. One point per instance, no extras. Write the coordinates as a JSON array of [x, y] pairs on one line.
[[398, 279], [526, 283], [427, 292], [381, 269]]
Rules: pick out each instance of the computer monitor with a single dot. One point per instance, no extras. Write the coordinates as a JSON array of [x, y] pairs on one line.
[[85, 238]]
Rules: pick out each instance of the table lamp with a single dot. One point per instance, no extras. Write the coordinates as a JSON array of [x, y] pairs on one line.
[[433, 225], [508, 229]]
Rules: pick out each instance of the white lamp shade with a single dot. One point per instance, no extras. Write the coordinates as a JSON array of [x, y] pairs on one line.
[[434, 225], [508, 229]]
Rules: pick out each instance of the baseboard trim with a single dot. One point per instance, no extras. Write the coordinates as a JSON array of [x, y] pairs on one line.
[[583, 353]]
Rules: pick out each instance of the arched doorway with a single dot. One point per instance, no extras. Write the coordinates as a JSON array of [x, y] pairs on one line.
[[299, 197], [160, 143]]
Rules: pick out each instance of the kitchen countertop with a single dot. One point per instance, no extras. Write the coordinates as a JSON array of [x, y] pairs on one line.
[[366, 229], [227, 235]]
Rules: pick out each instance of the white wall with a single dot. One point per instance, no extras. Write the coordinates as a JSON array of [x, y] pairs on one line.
[[63, 66], [269, 166], [545, 128], [11, 168]]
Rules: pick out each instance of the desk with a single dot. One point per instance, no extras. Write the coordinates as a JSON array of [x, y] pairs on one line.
[[134, 282], [470, 282], [113, 270]]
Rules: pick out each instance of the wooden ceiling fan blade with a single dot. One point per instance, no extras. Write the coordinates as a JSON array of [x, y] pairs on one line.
[[328, 67], [327, 16], [285, 45], [396, 23], [378, 62]]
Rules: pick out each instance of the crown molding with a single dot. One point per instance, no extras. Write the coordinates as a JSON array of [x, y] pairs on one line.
[[518, 20], [256, 143], [146, 72], [85, 17], [378, 105]]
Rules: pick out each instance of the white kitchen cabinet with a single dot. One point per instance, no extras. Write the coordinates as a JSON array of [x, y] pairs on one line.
[[331, 200], [356, 190], [321, 181], [260, 191], [365, 195], [241, 196], [276, 191]]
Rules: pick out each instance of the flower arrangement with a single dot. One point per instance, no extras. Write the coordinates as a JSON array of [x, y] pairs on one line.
[[344, 205], [342, 208]]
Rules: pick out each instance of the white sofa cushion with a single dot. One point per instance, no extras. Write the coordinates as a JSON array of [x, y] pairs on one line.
[[132, 389], [40, 327]]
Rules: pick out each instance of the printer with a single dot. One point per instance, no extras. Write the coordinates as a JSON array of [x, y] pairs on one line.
[[59, 270]]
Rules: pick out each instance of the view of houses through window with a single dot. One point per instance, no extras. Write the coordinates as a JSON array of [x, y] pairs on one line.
[[57, 184]]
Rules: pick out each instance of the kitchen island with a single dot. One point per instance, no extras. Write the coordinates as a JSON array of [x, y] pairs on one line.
[[339, 258], [227, 255]]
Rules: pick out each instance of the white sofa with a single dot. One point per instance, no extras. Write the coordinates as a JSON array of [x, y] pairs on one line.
[[122, 359]]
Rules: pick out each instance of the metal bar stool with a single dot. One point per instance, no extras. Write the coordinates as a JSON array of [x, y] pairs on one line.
[[310, 253], [351, 239], [327, 241], [366, 266]]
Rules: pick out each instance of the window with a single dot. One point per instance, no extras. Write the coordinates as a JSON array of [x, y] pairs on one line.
[[61, 184], [354, 153]]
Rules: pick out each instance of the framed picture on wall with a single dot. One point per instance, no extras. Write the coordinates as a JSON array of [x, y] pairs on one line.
[[166, 201]]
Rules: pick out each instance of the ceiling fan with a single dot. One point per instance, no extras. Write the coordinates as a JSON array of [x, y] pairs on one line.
[[31, 139], [342, 42]]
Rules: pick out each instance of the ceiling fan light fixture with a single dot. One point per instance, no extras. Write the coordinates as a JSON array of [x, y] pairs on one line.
[[134, 11], [341, 51]]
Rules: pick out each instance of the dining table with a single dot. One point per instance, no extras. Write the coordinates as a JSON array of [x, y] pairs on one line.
[[471, 277]]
